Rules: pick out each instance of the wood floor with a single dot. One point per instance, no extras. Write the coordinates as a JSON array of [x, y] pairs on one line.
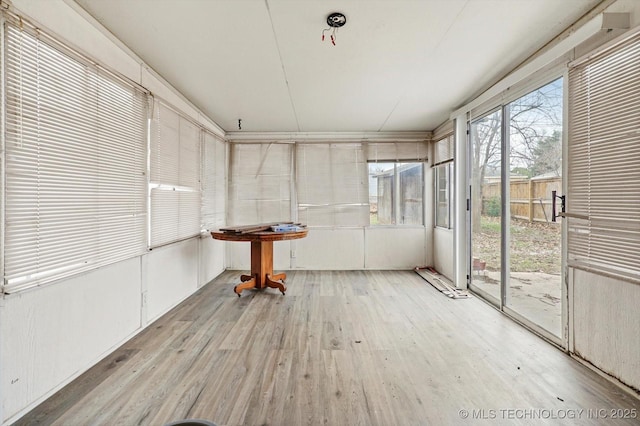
[[341, 348]]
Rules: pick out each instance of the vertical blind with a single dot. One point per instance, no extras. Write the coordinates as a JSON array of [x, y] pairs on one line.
[[174, 177], [260, 183], [213, 182], [604, 162], [332, 184], [75, 147]]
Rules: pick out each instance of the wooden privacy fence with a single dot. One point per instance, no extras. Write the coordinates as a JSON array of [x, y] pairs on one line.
[[530, 198]]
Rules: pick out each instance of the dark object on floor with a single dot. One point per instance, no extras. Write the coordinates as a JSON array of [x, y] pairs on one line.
[[191, 422]]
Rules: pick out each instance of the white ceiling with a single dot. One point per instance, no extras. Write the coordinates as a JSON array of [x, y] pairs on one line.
[[398, 65]]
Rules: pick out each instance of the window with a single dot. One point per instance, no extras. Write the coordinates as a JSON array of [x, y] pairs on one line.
[[75, 156], [396, 182], [260, 183], [175, 177], [444, 194], [213, 182], [332, 184], [443, 176], [603, 211], [395, 193]]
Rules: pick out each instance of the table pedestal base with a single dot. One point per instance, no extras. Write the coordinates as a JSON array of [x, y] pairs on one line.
[[262, 275]]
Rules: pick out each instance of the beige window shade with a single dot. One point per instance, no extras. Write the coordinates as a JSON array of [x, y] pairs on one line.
[[213, 182], [332, 184], [75, 157], [443, 150], [396, 151], [260, 183], [603, 201], [175, 176]]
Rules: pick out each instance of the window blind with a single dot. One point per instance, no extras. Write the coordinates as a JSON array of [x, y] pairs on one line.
[[75, 156], [443, 150], [260, 183], [213, 182], [604, 162], [332, 184], [174, 176], [397, 151]]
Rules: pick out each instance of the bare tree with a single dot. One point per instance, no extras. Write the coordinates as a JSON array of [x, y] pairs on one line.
[[486, 139], [535, 124]]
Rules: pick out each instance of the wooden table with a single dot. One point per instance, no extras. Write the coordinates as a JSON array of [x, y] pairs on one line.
[[262, 275]]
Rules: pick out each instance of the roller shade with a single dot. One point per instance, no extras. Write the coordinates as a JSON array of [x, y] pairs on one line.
[[175, 176], [443, 150], [603, 201], [260, 183], [396, 151], [332, 184], [75, 184]]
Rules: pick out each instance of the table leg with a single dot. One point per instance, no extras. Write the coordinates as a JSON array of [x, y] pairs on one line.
[[262, 275], [246, 284], [261, 261], [272, 281]]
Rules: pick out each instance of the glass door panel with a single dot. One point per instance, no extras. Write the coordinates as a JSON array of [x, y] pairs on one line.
[[535, 240], [486, 200]]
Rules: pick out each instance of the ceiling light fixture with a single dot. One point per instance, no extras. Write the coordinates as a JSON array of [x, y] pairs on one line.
[[335, 20]]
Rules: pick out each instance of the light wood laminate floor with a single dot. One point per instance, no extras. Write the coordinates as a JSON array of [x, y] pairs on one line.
[[341, 348]]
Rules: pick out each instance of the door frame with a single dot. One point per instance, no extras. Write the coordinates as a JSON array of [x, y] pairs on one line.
[[562, 341]]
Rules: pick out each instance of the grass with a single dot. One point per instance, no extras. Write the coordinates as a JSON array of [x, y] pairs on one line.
[[534, 247]]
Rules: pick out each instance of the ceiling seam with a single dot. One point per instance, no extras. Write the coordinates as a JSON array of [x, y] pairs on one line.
[[391, 112], [284, 71], [435, 48]]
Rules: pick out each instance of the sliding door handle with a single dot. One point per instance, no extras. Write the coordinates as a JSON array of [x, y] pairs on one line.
[[553, 205]]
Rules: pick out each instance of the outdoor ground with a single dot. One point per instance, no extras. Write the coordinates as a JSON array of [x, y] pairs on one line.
[[535, 247], [535, 263]]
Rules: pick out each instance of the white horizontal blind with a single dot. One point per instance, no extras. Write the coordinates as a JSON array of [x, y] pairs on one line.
[[75, 163], [260, 183], [604, 162], [213, 182], [332, 184], [443, 150], [175, 177], [397, 151]]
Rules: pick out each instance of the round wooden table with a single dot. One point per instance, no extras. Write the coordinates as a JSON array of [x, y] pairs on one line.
[[262, 275]]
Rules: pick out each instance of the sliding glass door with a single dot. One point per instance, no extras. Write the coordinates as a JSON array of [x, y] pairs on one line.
[[486, 200], [515, 177], [534, 140]]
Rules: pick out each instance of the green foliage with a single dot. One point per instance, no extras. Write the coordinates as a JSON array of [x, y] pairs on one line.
[[492, 207]]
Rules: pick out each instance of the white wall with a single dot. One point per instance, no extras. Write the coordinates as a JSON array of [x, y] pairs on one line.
[[53, 333], [50, 335], [606, 324], [443, 254], [212, 259], [170, 275], [343, 249]]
